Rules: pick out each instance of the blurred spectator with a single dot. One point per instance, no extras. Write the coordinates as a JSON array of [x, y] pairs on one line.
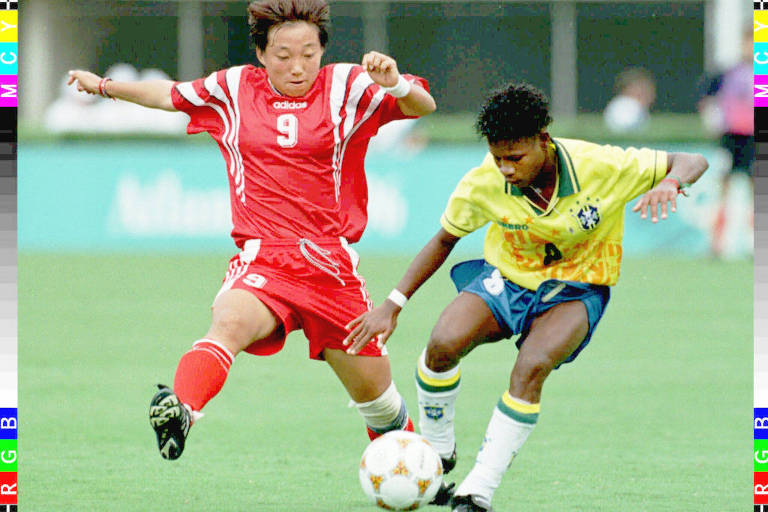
[[726, 109], [73, 112], [628, 111]]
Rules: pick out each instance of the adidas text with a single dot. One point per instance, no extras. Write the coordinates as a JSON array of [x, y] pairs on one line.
[[289, 105]]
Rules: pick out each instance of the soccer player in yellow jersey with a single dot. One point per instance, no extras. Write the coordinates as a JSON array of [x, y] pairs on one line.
[[553, 249]]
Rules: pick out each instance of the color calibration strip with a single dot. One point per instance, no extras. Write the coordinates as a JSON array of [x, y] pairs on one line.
[[9, 70], [760, 461]]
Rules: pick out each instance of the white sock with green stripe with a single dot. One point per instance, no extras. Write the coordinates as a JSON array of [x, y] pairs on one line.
[[437, 392], [511, 423]]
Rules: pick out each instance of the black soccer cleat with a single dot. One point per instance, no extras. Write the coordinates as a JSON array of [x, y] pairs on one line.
[[171, 422], [444, 494], [469, 504], [449, 463]]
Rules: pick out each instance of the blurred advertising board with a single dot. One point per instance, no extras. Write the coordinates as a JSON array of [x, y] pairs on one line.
[[172, 196]]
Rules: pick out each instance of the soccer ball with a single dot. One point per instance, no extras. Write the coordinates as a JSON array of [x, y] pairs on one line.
[[400, 471]]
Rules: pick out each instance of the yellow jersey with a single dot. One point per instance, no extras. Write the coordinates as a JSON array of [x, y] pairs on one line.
[[578, 237]]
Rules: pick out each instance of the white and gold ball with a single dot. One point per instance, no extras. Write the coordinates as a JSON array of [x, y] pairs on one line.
[[400, 471]]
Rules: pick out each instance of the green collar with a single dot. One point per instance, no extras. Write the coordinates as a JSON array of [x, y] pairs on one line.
[[568, 183]]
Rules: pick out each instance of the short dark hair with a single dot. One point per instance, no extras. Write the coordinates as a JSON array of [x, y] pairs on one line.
[[516, 111], [265, 14]]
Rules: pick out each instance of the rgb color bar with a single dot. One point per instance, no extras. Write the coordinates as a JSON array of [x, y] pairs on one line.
[[760, 54], [9, 70]]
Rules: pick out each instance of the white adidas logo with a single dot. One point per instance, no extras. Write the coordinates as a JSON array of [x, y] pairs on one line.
[[289, 105]]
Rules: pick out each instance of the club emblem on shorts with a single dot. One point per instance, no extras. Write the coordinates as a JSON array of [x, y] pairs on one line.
[[494, 284], [588, 216], [434, 413]]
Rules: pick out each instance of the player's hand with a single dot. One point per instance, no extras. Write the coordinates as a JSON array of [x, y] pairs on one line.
[[380, 321], [85, 81], [660, 195], [381, 68]]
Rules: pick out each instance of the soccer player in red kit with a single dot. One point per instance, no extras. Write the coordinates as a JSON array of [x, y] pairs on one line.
[[293, 136]]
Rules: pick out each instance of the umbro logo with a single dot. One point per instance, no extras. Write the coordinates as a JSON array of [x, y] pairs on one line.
[[289, 105]]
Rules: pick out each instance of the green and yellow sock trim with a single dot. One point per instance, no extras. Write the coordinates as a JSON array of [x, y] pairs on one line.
[[518, 411], [433, 385]]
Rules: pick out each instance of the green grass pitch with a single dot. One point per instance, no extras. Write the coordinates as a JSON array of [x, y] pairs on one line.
[[655, 415]]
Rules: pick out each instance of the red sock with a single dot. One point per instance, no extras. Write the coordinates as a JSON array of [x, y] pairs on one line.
[[373, 435], [201, 373]]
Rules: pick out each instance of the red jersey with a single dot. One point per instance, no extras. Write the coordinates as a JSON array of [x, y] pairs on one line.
[[295, 164]]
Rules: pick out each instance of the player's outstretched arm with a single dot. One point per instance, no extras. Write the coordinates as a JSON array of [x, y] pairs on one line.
[[683, 169], [152, 93], [382, 320], [412, 99]]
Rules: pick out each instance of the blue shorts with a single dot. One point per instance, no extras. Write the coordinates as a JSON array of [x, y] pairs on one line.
[[515, 307]]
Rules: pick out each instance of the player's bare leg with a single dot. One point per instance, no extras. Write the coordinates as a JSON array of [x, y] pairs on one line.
[[364, 378], [553, 336], [239, 318], [368, 380], [464, 324]]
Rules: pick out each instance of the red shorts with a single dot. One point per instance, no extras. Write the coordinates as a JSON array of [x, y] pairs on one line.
[[307, 284]]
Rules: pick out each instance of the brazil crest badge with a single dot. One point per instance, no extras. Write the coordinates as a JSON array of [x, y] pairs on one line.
[[588, 216]]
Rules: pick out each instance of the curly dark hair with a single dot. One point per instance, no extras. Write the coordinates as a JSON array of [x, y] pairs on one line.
[[516, 111], [265, 14]]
